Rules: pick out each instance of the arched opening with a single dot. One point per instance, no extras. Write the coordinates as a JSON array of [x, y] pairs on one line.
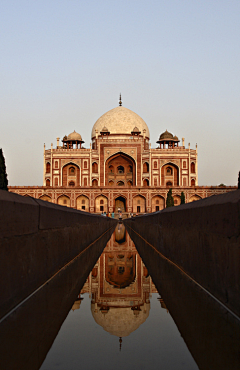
[[120, 203], [169, 183], [120, 183], [71, 183], [139, 204], [63, 200], [177, 200], [192, 167], [192, 182], [129, 183], [193, 198], [120, 167], [111, 183], [83, 203], [94, 183], [145, 167], [47, 182], [48, 167], [94, 167], [145, 182], [169, 171], [158, 203], [71, 171]]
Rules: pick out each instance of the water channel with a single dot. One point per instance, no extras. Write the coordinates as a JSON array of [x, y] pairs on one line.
[[120, 317]]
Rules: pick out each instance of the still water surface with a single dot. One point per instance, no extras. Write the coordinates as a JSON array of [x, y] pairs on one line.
[[119, 320]]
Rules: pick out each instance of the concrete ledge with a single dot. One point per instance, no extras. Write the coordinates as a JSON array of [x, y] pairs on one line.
[[203, 239], [37, 238]]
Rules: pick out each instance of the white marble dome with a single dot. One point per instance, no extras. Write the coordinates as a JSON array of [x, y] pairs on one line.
[[120, 120]]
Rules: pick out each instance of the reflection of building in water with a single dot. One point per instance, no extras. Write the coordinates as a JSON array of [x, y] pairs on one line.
[[120, 286]]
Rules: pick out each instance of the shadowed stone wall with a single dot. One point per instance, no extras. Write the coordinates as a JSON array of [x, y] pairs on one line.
[[203, 239], [38, 238]]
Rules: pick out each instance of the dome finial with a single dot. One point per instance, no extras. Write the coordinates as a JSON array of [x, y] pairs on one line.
[[120, 101]]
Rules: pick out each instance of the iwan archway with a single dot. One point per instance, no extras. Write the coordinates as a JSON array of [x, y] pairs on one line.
[[120, 203], [120, 170]]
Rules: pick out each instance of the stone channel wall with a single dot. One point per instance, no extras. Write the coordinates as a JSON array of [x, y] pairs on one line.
[[203, 239], [37, 239]]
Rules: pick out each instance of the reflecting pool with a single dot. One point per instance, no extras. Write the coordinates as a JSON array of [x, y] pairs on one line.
[[119, 320]]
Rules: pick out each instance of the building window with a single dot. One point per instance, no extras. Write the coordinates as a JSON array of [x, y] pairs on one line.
[[48, 167], [145, 167], [157, 208], [155, 165], [120, 183], [145, 182], [47, 182], [169, 171], [85, 164], [71, 183], [94, 182], [120, 169], [169, 183], [95, 167], [71, 171], [192, 167], [56, 164], [184, 164], [64, 201], [101, 201], [157, 201], [192, 182], [83, 201], [101, 208]]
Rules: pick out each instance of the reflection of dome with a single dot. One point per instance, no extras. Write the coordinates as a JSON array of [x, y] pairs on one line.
[[120, 120], [120, 321], [74, 136]]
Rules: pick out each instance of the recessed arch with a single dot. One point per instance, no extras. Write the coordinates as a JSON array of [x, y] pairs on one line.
[[176, 200], [70, 172], [120, 203], [139, 204], [120, 167], [146, 182], [194, 197], [158, 203], [170, 173], [101, 203], [46, 198], [145, 167], [63, 200], [83, 203], [94, 182]]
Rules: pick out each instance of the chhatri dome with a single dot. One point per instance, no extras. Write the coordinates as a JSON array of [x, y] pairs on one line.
[[119, 121]]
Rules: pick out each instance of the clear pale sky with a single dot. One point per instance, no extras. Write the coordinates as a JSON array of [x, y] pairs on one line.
[[176, 63]]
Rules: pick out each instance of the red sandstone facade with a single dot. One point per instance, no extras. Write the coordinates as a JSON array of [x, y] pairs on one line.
[[120, 169]]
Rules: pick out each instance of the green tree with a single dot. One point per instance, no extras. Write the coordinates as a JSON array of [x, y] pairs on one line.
[[3, 174], [170, 201], [182, 198]]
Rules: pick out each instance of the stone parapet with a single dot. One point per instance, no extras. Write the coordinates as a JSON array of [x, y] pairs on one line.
[[203, 239], [38, 238]]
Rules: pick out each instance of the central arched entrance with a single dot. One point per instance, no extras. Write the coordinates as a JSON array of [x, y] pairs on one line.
[[120, 202], [120, 170]]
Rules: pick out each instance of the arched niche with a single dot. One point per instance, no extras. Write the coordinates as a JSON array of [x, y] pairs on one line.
[[70, 175], [139, 204], [46, 198], [83, 203], [120, 168], [63, 200], [158, 203], [170, 175], [193, 198], [177, 200], [120, 203], [101, 204]]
